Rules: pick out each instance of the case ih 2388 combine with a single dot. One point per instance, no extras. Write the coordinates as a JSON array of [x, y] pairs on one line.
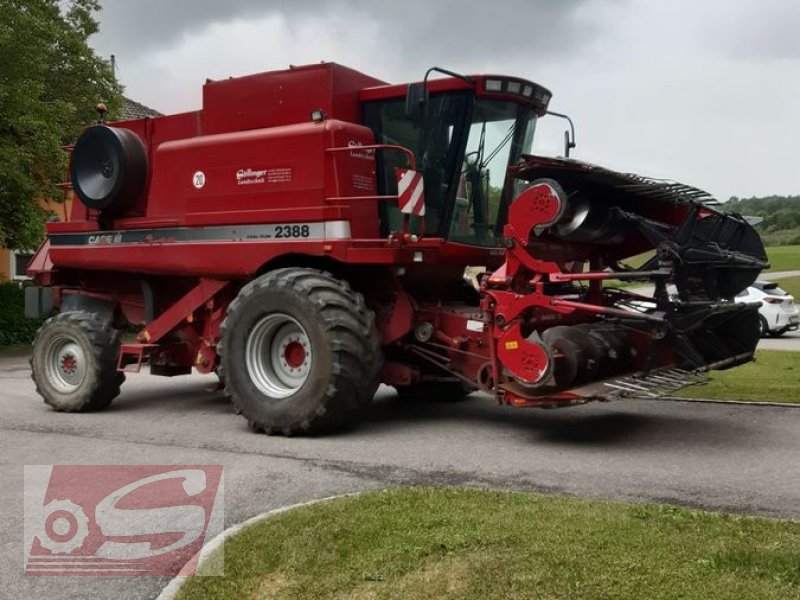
[[306, 235]]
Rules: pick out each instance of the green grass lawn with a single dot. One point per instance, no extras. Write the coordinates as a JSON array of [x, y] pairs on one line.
[[791, 286], [774, 377], [636, 262], [784, 258], [461, 543]]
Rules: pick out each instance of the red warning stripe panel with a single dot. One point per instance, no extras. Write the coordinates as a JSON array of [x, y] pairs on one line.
[[410, 192]]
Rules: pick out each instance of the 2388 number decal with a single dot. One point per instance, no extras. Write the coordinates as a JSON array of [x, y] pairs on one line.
[[292, 231]]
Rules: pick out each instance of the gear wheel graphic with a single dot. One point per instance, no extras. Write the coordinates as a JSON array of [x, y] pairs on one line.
[[81, 529]]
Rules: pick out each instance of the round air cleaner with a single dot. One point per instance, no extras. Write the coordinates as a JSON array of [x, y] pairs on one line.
[[109, 168]]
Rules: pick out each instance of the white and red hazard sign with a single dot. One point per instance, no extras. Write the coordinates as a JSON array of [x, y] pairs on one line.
[[410, 192]]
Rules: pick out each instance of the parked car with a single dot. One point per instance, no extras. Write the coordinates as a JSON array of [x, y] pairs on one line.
[[778, 311]]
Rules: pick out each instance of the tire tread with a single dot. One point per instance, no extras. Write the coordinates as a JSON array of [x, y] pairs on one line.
[[104, 342], [356, 346]]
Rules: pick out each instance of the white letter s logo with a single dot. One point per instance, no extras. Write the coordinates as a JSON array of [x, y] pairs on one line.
[[188, 520]]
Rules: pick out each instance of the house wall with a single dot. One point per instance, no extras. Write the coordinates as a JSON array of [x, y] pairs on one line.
[[5, 264], [60, 212]]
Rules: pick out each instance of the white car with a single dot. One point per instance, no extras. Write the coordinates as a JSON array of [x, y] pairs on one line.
[[778, 311]]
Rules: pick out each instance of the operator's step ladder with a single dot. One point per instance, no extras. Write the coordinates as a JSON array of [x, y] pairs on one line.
[[131, 357]]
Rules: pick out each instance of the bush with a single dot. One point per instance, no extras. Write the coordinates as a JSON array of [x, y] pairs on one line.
[[15, 329]]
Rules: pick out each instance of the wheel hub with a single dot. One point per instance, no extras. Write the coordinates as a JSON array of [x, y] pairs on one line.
[[69, 364], [65, 363], [294, 354]]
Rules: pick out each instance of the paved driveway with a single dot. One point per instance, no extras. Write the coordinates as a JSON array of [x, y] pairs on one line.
[[789, 342], [736, 458], [778, 275]]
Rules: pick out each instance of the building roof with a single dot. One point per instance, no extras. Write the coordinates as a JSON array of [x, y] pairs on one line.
[[134, 110]]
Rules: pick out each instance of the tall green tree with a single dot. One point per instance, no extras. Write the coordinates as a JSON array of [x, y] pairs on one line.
[[50, 82]]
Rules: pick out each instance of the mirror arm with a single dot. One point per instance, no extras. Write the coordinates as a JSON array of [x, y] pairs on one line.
[[569, 136], [466, 78], [416, 104]]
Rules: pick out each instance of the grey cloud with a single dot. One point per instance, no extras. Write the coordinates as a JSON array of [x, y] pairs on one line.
[[457, 29], [648, 82], [764, 31]]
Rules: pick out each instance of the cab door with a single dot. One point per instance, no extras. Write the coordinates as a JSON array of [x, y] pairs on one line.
[[438, 146]]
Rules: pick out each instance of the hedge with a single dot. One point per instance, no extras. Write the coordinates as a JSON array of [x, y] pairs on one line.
[[15, 329]]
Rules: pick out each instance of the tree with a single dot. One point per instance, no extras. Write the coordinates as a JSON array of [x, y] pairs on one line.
[[50, 82]]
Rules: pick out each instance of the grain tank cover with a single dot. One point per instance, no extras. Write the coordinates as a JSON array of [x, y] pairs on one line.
[[283, 97]]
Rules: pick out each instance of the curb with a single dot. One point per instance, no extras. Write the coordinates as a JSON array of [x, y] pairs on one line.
[[734, 402], [175, 585]]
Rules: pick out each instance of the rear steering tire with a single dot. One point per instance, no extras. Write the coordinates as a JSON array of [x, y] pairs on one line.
[[300, 352], [74, 362]]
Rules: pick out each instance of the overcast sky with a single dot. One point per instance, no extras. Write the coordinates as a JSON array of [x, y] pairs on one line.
[[707, 93]]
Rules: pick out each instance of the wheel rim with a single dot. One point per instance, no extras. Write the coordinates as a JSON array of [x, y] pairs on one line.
[[66, 364], [278, 355]]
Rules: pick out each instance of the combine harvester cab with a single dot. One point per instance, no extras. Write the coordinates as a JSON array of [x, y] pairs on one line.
[[306, 236]]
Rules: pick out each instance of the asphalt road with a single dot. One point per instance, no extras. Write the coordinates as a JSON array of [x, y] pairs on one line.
[[735, 458], [789, 341], [778, 275]]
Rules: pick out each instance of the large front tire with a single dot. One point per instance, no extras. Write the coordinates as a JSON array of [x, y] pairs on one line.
[[74, 362], [298, 352]]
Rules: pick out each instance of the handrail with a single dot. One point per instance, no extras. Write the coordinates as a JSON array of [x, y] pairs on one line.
[[412, 161], [412, 164]]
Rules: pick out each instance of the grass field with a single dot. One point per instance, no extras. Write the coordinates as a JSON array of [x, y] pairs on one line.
[[774, 377], [782, 236], [791, 286], [784, 258], [637, 261], [455, 543]]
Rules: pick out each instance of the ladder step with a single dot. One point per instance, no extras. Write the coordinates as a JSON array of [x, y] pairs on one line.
[[131, 357]]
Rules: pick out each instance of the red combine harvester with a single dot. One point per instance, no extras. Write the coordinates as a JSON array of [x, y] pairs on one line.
[[311, 233]]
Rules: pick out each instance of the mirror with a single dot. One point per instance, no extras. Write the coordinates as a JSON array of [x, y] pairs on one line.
[[417, 101], [569, 143]]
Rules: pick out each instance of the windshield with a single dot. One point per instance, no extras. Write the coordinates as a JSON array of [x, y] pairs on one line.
[[500, 132]]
